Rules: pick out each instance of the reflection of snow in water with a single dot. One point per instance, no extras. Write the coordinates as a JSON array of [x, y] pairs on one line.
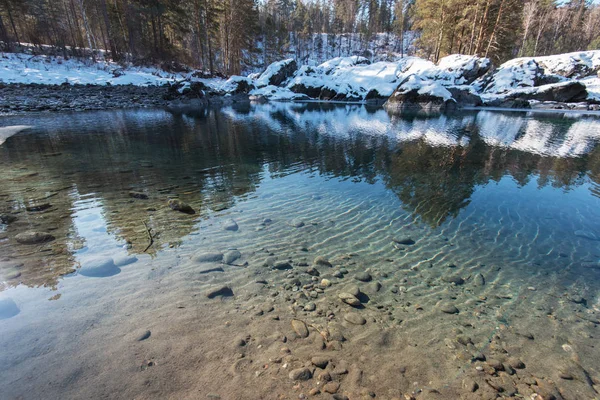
[[8, 131], [542, 135]]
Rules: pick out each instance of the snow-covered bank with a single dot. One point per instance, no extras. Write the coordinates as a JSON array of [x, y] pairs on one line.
[[566, 81], [56, 70]]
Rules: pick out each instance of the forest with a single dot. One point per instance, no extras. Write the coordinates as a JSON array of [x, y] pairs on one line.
[[234, 36]]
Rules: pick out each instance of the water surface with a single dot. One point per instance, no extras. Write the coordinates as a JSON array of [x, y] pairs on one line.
[[507, 202]]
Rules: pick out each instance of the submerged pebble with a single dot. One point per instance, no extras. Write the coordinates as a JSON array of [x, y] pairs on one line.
[[178, 205], [231, 256], [223, 291], [363, 277], [32, 237], [230, 225], [300, 328], [355, 319]]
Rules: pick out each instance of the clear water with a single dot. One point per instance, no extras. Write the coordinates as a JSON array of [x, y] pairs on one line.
[[511, 196]]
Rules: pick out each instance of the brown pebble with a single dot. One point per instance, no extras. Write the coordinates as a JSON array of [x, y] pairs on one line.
[[331, 387]]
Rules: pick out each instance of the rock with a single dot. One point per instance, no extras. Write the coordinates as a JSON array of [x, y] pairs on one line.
[[99, 267], [138, 195], [38, 207], [373, 287], [7, 219], [457, 280], [230, 225], [210, 269], [464, 97], [497, 365], [178, 205], [121, 261], [448, 309], [209, 256], [338, 396], [32, 237], [325, 283], [144, 336], [404, 241], [578, 300], [355, 319], [363, 276], [470, 385], [478, 280], [282, 265], [564, 92], [8, 308], [349, 299], [300, 328], [297, 223], [319, 361], [313, 271], [321, 261], [277, 73], [331, 387], [300, 374], [515, 363], [223, 291], [353, 290], [406, 98], [310, 306], [231, 256], [562, 374]]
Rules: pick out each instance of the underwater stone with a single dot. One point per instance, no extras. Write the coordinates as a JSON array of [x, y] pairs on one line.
[[121, 261], [282, 265], [209, 256], [298, 223], [178, 205], [457, 280], [300, 328], [34, 237], [230, 225], [349, 299], [355, 319], [100, 267], [404, 241], [322, 261], [8, 308], [363, 277], [300, 374], [223, 291], [231, 256], [449, 309], [478, 280]]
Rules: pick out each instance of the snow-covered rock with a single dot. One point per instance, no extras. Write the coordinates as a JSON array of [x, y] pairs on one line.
[[277, 73], [420, 95], [464, 69]]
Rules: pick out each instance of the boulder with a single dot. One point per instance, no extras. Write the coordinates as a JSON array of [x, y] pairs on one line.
[[419, 100], [570, 92], [277, 73], [465, 97]]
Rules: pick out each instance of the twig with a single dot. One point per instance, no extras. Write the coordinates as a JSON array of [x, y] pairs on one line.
[[150, 238]]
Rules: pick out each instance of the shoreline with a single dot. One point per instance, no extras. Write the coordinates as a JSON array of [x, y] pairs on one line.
[[20, 99]]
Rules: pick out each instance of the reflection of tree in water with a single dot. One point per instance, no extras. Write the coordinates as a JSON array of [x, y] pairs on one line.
[[213, 160]]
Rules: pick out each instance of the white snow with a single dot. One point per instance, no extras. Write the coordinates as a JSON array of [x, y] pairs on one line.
[[55, 70], [265, 78], [8, 131]]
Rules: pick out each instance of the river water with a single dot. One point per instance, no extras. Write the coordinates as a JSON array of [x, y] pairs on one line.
[[473, 238]]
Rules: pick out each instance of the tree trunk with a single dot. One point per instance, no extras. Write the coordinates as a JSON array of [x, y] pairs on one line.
[[12, 23], [87, 30], [111, 41], [493, 35]]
